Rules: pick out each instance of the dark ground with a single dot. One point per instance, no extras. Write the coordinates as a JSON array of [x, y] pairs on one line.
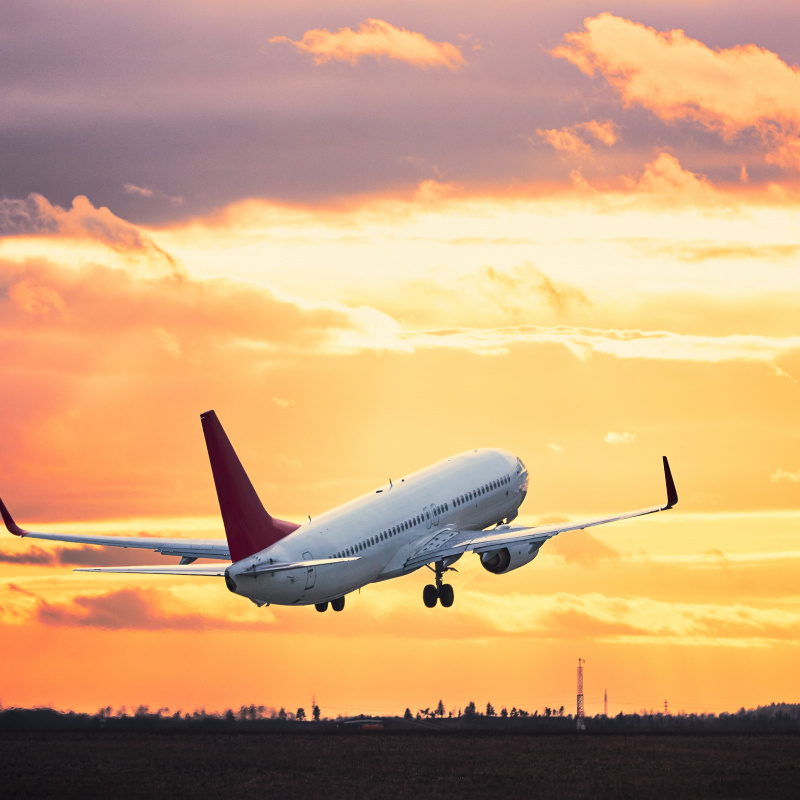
[[380, 764]]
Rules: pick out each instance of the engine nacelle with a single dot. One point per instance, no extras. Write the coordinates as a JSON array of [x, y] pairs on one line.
[[507, 558]]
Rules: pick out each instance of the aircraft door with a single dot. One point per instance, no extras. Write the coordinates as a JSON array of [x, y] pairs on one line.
[[311, 572], [428, 521], [435, 512]]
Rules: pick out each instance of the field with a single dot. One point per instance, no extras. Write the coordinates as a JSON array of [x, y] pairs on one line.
[[379, 764]]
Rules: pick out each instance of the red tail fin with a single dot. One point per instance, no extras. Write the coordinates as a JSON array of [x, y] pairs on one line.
[[248, 526]]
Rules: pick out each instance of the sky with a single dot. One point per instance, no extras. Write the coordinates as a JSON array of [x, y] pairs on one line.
[[370, 236]]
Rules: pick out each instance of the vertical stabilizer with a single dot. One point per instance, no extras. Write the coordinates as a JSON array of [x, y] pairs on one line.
[[248, 526]]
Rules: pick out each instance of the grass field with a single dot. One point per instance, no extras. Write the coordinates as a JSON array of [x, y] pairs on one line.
[[354, 765]]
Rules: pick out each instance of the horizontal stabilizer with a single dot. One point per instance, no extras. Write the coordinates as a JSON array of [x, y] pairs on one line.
[[208, 570], [213, 570]]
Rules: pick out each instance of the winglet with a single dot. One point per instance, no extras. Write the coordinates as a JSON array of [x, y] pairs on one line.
[[9, 521], [672, 494], [248, 526]]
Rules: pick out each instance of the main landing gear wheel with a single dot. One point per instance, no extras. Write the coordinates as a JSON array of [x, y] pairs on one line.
[[442, 592], [321, 606], [337, 604], [446, 595], [430, 596]]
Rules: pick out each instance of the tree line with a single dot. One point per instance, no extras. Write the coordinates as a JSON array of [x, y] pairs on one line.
[[777, 717]]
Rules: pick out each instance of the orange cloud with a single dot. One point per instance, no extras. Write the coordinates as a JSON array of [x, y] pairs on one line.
[[667, 180], [37, 217], [605, 132], [677, 77], [565, 140], [124, 609], [376, 38]]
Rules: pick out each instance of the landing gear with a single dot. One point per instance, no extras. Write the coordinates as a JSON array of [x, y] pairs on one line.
[[443, 592], [336, 605]]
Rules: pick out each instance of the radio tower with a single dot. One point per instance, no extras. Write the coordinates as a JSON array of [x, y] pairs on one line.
[[579, 716], [605, 703]]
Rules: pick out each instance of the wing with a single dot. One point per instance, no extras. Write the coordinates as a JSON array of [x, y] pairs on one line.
[[187, 549], [449, 544]]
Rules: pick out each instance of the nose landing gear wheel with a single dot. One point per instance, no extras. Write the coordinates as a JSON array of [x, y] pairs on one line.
[[321, 606], [446, 595], [430, 596], [337, 604]]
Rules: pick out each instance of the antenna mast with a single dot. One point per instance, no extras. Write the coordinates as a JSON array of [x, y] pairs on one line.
[[580, 715], [605, 703]]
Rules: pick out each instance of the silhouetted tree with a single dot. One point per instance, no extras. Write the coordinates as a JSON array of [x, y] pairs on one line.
[[503, 712], [315, 713], [408, 714], [282, 714], [514, 712], [440, 709], [490, 710], [561, 711], [547, 711], [301, 714], [470, 711]]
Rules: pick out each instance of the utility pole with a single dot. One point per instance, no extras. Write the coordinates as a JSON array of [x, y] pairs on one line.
[[666, 708], [580, 715], [605, 703]]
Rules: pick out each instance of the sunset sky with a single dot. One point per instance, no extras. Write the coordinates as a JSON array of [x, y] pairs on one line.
[[372, 235]]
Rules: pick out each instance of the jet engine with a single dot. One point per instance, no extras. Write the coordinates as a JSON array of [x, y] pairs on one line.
[[507, 558]]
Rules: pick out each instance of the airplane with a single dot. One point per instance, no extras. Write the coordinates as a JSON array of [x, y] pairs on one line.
[[465, 503]]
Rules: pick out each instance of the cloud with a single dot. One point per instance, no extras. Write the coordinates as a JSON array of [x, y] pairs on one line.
[[566, 140], [636, 620], [34, 556], [140, 191], [668, 180], [619, 438], [634, 344], [556, 448], [126, 609], [37, 217], [604, 132], [376, 38], [700, 251], [95, 556], [187, 606], [728, 91], [148, 193], [84, 556], [783, 476], [581, 547]]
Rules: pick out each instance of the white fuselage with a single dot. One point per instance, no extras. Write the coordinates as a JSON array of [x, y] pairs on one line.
[[382, 529]]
